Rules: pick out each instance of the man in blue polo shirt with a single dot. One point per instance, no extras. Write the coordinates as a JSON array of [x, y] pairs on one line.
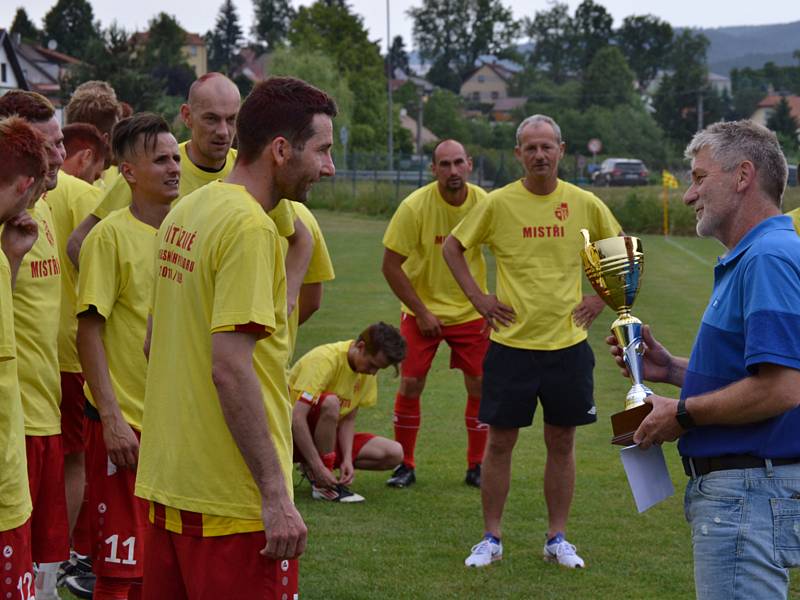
[[738, 417]]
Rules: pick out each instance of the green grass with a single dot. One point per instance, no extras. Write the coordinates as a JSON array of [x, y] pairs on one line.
[[410, 544]]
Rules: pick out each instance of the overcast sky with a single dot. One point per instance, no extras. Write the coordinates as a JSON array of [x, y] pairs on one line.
[[199, 15]]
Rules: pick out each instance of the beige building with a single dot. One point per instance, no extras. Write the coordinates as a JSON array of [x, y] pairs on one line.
[[486, 84], [766, 108], [194, 50]]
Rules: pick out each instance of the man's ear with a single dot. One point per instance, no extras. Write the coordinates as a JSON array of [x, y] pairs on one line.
[[24, 184], [186, 115], [745, 176], [127, 171], [281, 150]]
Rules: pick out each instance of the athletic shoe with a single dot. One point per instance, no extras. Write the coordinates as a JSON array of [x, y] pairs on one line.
[[339, 493], [402, 477], [78, 564], [81, 586], [558, 550], [485, 553], [473, 477]]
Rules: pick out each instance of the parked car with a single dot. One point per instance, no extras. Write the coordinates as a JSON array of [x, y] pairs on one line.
[[621, 171], [794, 176]]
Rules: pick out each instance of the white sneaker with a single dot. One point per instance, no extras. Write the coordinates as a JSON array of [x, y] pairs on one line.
[[484, 553], [335, 494], [560, 551]]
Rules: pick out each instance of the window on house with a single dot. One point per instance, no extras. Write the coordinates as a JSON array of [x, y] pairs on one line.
[[3, 72], [193, 50], [495, 95], [481, 78], [476, 96]]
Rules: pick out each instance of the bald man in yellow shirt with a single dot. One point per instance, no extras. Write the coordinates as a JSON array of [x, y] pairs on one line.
[[538, 349]]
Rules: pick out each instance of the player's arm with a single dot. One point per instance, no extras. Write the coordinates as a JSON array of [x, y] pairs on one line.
[[242, 404], [770, 392], [428, 323], [76, 238], [298, 255], [310, 301], [19, 235], [346, 431], [495, 312], [121, 443], [305, 443]]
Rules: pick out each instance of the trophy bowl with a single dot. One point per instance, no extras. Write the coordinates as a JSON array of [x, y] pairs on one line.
[[614, 267]]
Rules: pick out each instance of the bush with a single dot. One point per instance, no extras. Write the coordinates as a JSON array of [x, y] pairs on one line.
[[640, 210]]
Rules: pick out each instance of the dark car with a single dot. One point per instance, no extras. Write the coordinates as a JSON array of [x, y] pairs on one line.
[[621, 171]]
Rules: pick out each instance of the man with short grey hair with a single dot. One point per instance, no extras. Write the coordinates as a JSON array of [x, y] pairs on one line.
[[739, 410], [538, 348]]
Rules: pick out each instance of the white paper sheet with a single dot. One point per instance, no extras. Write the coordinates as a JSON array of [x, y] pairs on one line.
[[648, 475]]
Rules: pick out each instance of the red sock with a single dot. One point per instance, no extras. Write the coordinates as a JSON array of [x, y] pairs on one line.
[[406, 425], [114, 588], [477, 432], [329, 460]]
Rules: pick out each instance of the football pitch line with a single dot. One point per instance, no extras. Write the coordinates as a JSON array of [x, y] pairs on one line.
[[702, 260]]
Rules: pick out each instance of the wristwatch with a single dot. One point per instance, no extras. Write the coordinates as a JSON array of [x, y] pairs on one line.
[[683, 417]]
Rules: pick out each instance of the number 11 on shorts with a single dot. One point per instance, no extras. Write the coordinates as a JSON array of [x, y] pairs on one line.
[[112, 557]]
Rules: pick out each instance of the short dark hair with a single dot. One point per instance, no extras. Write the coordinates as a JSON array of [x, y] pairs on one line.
[[127, 132], [279, 106], [96, 106], [30, 106], [383, 337], [80, 136], [24, 151]]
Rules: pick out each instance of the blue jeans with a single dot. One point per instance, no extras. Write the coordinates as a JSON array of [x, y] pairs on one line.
[[745, 531]]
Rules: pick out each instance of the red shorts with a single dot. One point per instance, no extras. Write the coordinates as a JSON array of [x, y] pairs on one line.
[[359, 439], [468, 343], [117, 518], [179, 567], [16, 576], [49, 524], [73, 419]]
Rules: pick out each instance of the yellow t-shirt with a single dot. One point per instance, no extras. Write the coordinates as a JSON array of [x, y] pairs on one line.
[[37, 309], [536, 242], [118, 193], [15, 497], [116, 278], [325, 369], [795, 214], [320, 267], [417, 230], [71, 201], [107, 178], [218, 266]]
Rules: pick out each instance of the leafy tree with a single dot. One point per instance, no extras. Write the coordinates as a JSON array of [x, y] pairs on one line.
[[592, 31], [551, 32], [338, 33], [646, 42], [677, 97], [23, 26], [112, 58], [70, 24], [398, 57], [272, 21], [455, 33], [784, 124], [608, 80], [442, 115], [225, 39], [163, 55]]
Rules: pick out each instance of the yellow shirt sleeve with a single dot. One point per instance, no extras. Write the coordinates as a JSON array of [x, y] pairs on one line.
[[8, 350], [604, 224], [283, 215], [313, 374], [477, 227], [117, 195], [244, 280], [98, 279], [795, 214], [402, 233], [320, 267]]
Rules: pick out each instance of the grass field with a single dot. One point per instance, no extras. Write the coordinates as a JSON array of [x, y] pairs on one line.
[[410, 544]]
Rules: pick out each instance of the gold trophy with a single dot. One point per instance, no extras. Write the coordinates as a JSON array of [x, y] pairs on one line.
[[614, 267]]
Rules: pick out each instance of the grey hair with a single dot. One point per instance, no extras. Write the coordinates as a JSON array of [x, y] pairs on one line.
[[539, 119], [734, 142]]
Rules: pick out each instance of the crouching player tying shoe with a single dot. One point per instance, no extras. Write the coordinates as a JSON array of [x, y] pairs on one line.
[[114, 288], [329, 385]]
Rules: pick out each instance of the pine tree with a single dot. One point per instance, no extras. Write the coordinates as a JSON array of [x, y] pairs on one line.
[[784, 124], [23, 26], [272, 21], [225, 39]]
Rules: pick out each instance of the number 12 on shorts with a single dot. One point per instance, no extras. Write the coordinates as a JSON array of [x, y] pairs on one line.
[[112, 557]]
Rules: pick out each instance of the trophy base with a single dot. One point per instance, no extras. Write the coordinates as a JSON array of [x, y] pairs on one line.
[[624, 424]]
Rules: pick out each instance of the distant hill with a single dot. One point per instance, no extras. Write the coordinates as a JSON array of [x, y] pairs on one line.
[[751, 46]]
